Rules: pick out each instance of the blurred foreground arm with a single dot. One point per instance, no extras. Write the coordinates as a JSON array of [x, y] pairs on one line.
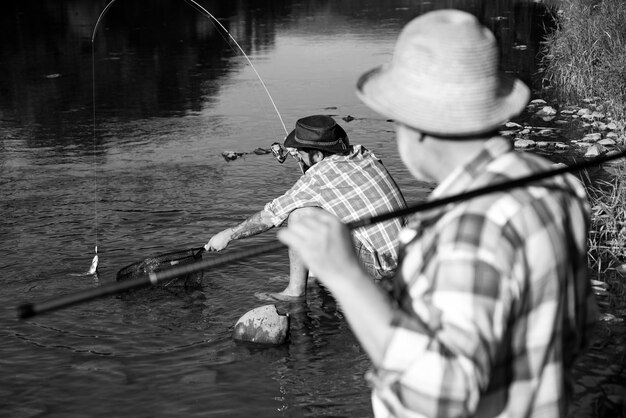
[[325, 245]]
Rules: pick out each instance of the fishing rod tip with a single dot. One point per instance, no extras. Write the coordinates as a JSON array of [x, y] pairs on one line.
[[26, 310]]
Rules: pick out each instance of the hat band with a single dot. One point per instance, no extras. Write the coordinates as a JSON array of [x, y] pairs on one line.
[[305, 142]]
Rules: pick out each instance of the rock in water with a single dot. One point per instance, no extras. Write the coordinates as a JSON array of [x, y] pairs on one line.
[[231, 155], [262, 325]]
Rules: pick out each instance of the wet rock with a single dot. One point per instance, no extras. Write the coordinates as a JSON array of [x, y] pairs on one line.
[[524, 143], [538, 102], [546, 111], [263, 325], [594, 137], [607, 142], [231, 155], [513, 125], [595, 151], [601, 126], [261, 151], [348, 118], [561, 146], [545, 132]]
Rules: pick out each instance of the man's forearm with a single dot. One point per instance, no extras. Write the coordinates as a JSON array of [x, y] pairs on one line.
[[257, 223]]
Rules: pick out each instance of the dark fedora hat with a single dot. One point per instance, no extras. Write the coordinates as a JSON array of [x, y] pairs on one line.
[[318, 132]]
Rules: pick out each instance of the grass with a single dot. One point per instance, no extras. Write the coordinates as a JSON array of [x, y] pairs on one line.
[[586, 56], [606, 240], [607, 236]]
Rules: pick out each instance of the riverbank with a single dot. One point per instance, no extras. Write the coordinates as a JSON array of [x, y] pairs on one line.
[[584, 70]]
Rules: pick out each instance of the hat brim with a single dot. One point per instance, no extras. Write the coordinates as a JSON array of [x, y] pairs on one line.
[[341, 147], [437, 113], [290, 140]]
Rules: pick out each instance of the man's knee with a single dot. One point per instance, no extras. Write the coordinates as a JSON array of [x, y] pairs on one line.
[[302, 213]]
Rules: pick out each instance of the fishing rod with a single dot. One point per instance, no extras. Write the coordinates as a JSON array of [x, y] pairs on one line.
[[204, 11], [275, 148], [30, 309]]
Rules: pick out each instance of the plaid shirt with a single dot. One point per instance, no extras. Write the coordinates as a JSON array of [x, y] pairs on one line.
[[493, 298], [350, 187]]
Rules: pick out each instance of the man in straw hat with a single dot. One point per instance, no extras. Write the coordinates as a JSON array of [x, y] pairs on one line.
[[491, 303], [347, 181]]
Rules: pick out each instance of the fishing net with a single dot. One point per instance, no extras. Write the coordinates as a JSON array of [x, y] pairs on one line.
[[165, 261]]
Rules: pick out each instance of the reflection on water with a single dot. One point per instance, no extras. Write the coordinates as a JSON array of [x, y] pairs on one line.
[[171, 93]]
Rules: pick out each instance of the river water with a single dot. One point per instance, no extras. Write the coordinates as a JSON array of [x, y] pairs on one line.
[[116, 142]]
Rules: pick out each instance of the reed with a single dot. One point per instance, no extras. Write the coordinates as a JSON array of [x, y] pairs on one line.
[[607, 232], [606, 240], [585, 57]]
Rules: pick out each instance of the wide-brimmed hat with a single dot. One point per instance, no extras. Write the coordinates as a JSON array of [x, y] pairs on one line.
[[444, 79], [318, 132]]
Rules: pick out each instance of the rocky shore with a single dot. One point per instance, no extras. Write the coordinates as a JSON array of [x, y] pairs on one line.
[[584, 130]]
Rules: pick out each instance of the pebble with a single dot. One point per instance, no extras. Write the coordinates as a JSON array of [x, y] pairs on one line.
[[546, 111], [594, 137], [524, 143], [595, 151]]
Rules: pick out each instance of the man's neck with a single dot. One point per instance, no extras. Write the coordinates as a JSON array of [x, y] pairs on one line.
[[446, 155]]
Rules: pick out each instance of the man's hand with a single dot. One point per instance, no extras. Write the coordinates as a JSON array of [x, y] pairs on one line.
[[219, 241]]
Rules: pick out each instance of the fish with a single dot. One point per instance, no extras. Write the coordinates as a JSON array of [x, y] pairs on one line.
[[93, 270], [94, 263]]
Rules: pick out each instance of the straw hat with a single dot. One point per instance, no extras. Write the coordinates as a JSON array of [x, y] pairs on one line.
[[319, 132], [443, 78]]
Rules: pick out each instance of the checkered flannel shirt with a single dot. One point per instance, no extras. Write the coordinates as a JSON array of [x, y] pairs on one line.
[[493, 297], [351, 187]]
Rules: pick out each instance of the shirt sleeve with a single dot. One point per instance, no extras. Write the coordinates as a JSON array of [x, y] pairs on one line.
[[304, 193]]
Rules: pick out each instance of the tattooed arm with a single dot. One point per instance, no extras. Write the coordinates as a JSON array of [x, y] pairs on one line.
[[257, 223]]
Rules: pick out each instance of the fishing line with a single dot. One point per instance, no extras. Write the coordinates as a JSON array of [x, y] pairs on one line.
[[27, 310], [94, 262], [213, 19], [198, 7]]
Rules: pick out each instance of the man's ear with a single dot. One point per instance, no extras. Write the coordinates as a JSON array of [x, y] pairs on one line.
[[317, 156]]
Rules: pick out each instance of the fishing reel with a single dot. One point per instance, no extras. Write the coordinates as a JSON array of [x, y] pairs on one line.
[[281, 152]]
